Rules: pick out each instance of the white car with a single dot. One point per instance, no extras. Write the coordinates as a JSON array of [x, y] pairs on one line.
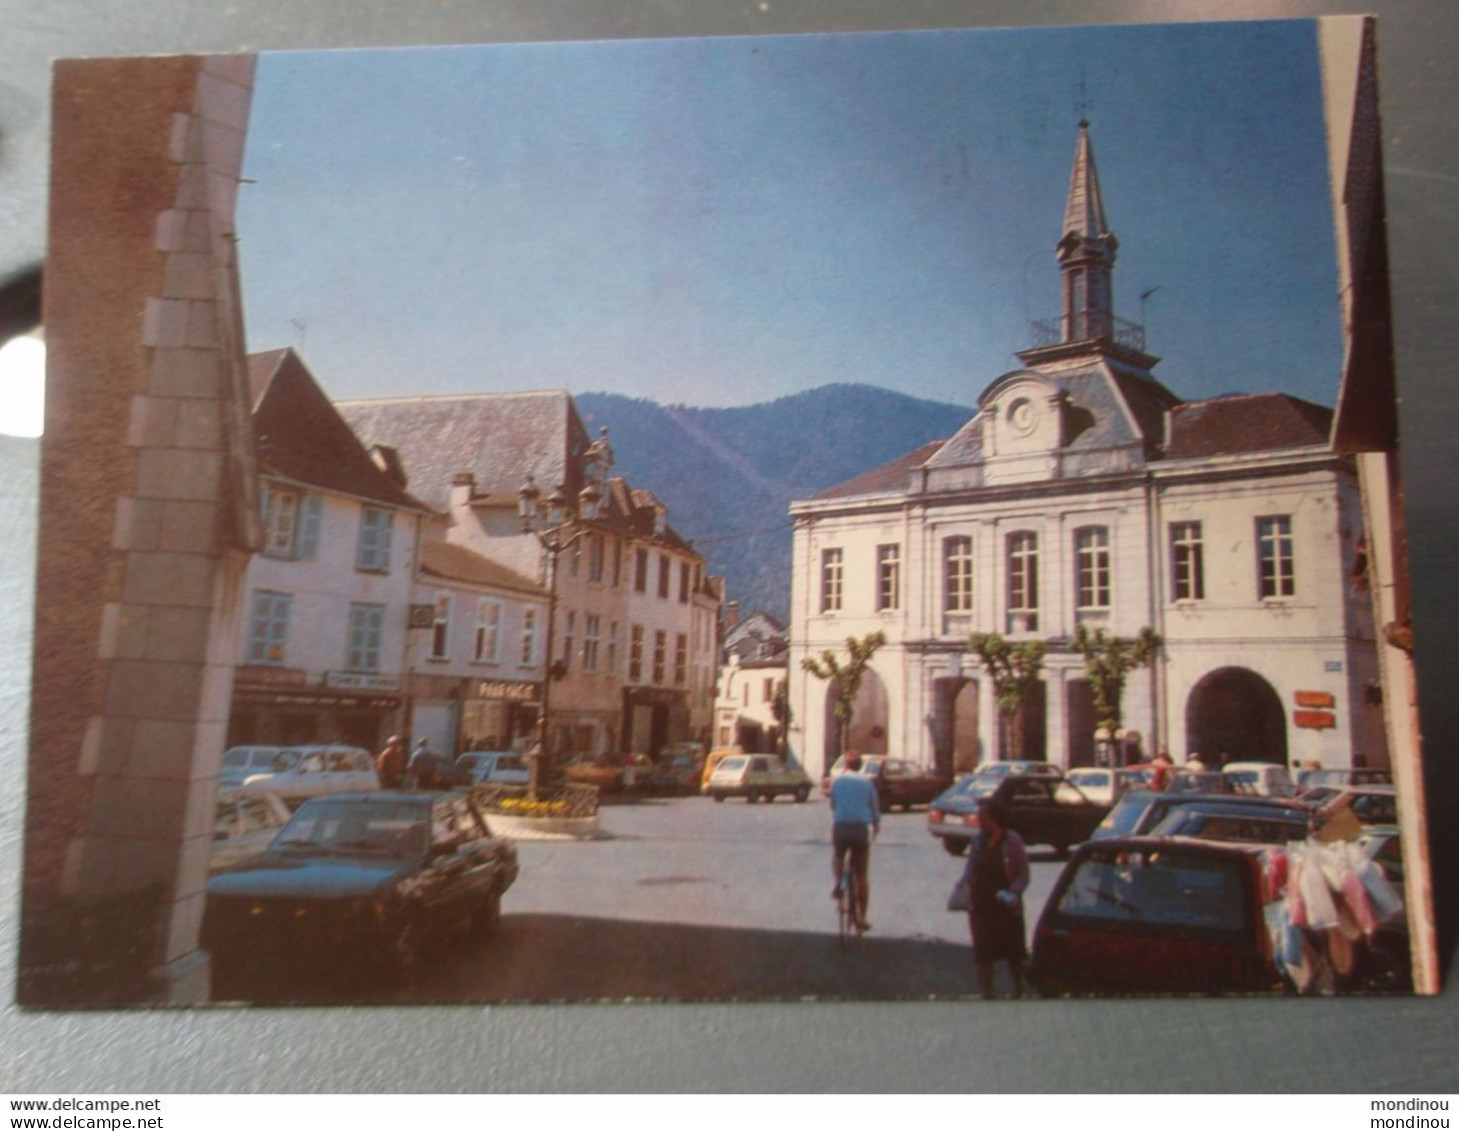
[[243, 762], [1095, 783], [1264, 779], [302, 772], [243, 824]]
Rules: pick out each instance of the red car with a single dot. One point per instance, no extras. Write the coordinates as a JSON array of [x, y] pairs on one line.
[[1155, 915]]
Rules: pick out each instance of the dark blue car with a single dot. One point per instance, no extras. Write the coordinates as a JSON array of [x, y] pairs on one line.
[[360, 879]]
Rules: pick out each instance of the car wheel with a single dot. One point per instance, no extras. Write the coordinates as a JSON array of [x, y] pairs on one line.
[[802, 794], [717, 796], [489, 914], [752, 797], [954, 847]]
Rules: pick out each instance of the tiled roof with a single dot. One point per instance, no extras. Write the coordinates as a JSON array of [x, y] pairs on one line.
[[301, 437], [500, 438], [1257, 422], [888, 477], [456, 563]]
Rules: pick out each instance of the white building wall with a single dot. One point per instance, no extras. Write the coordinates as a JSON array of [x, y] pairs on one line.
[[323, 588], [1316, 640]]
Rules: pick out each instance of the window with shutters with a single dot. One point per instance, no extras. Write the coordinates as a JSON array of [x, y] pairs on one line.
[[367, 631], [268, 632], [373, 554]]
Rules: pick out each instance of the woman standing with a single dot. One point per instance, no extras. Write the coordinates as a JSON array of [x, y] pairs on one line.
[[997, 875]]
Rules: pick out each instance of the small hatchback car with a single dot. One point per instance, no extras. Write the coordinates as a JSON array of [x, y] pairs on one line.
[[1151, 915]]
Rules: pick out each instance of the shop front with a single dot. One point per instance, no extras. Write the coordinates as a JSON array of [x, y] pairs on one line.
[[653, 717], [283, 706]]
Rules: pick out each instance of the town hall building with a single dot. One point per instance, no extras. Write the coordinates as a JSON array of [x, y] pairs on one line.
[[1085, 492]]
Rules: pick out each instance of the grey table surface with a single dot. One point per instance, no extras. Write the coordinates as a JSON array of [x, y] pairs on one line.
[[1395, 1046]]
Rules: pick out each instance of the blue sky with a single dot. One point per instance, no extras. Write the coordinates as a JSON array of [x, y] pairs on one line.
[[725, 221]]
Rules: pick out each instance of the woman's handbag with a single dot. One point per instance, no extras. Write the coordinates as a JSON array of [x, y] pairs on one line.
[[961, 895]]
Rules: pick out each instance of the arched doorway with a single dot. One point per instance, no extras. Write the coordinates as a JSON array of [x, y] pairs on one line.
[[868, 719], [954, 724], [1233, 714]]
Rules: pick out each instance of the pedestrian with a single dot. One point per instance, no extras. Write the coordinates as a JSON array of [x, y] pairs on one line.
[[422, 772], [1194, 763], [390, 765], [1164, 768], [997, 876]]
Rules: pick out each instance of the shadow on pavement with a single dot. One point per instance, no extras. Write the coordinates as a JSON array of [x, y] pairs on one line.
[[541, 958]]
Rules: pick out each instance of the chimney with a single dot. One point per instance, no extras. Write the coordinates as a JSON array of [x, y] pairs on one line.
[[463, 490], [731, 615]]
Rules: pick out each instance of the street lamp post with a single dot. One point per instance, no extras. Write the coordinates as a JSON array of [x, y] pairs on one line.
[[556, 529]]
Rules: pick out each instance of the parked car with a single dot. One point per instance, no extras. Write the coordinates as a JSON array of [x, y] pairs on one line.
[[1370, 804], [1265, 779], [677, 770], [242, 762], [244, 823], [1099, 785], [360, 877], [1226, 822], [712, 761], [611, 773], [1139, 811], [493, 767], [758, 777], [1041, 809], [1197, 781], [997, 771], [900, 783], [870, 767], [302, 772], [1311, 779], [1154, 915]]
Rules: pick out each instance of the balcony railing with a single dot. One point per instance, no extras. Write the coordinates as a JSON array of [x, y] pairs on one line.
[[1123, 332]]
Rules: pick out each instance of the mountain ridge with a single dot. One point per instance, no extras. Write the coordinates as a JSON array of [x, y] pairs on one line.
[[728, 475]]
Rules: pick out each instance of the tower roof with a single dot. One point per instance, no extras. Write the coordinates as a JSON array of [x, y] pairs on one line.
[[1084, 213]]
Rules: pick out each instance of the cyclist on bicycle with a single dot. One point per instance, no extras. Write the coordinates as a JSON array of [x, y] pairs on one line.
[[855, 818]]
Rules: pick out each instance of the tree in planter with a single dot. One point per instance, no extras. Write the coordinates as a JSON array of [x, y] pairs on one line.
[[780, 712], [1108, 661], [1014, 669], [846, 678]]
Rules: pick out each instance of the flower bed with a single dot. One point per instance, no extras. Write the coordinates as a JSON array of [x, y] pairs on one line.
[[564, 812]]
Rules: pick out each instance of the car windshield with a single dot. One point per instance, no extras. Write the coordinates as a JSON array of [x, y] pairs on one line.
[[1092, 779], [733, 764], [349, 827], [236, 757], [1160, 888], [1127, 813]]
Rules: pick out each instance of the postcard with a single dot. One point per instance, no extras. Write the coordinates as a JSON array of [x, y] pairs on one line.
[[886, 517]]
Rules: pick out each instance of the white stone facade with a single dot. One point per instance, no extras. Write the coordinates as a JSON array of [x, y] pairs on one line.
[[1083, 492]]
